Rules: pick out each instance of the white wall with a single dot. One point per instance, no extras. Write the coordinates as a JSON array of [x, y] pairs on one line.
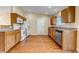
[[4, 15], [5, 19], [18, 11], [5, 9], [32, 18]]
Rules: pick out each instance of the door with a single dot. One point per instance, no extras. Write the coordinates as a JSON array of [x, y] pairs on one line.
[[40, 25]]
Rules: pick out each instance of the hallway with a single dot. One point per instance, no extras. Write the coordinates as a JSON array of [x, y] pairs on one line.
[[36, 44]]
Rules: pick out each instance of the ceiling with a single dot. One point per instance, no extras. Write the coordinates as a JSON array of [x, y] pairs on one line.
[[47, 10]]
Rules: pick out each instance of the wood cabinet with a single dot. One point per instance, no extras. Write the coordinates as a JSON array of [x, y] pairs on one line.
[[53, 20], [14, 17], [9, 39], [17, 36], [69, 38], [68, 15], [52, 33], [2, 41]]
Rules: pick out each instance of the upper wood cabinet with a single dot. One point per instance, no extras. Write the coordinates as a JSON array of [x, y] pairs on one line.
[[15, 16], [53, 20], [68, 15]]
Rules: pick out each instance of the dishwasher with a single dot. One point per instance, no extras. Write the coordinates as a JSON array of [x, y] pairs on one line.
[[59, 37]]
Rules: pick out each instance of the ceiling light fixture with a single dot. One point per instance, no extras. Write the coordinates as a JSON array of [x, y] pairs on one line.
[[49, 7]]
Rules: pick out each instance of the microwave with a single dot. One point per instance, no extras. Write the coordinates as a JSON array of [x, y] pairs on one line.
[[19, 20]]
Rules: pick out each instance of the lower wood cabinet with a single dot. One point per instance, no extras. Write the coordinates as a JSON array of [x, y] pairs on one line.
[[52, 33], [9, 39], [68, 38], [17, 36], [2, 41]]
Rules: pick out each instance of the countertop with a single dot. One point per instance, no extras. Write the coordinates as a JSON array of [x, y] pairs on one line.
[[63, 28], [6, 30]]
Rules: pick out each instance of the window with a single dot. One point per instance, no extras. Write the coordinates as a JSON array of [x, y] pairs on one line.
[[58, 20]]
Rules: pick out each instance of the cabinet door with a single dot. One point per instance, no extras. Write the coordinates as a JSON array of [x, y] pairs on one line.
[[53, 20], [2, 41], [49, 31], [13, 18], [71, 11], [52, 33], [17, 36], [68, 15], [64, 15], [9, 40], [69, 40]]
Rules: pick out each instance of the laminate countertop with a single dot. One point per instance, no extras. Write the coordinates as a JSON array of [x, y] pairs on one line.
[[6, 30], [63, 28]]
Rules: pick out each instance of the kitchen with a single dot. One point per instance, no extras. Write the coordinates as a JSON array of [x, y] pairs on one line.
[[62, 27]]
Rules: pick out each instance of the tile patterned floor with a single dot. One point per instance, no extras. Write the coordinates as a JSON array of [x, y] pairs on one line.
[[37, 44]]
